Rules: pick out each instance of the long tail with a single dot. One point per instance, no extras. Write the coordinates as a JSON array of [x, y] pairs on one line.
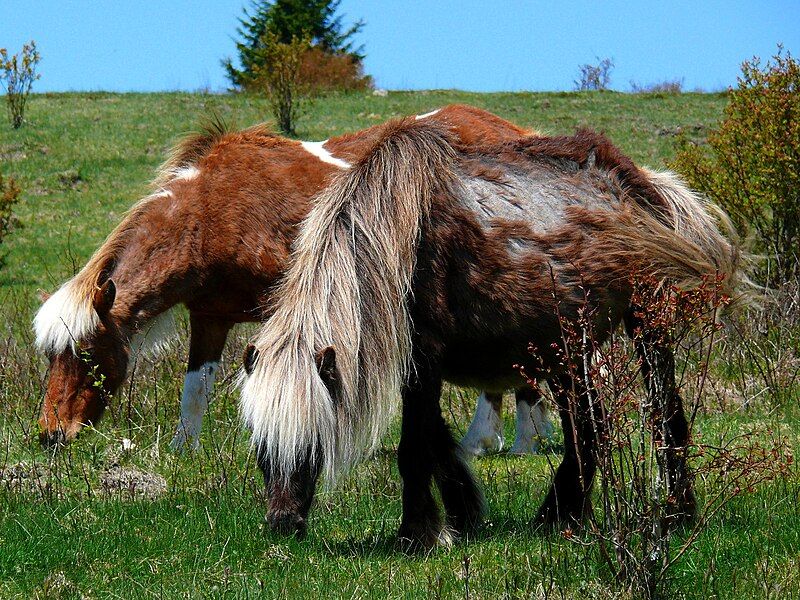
[[706, 242], [347, 288]]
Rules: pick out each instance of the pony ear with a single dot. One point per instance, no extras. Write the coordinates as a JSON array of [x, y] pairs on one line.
[[326, 365], [250, 358], [103, 298]]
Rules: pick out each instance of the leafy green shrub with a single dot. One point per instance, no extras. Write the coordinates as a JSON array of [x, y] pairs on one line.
[[278, 74], [18, 73], [751, 163], [322, 71], [9, 196]]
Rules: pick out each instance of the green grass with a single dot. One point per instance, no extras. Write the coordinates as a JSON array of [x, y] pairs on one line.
[[81, 160]]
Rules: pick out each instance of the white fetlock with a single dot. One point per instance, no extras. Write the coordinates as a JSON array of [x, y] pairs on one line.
[[485, 432]]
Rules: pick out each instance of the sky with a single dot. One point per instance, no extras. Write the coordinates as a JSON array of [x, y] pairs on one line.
[[490, 45]]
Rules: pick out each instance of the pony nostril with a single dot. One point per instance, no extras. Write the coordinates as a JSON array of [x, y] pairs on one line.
[[52, 439]]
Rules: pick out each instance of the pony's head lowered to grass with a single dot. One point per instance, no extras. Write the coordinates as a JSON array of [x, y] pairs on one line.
[[91, 324], [341, 314]]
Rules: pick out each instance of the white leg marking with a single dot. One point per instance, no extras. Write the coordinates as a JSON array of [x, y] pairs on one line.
[[197, 387], [485, 433], [428, 114], [533, 426], [318, 150]]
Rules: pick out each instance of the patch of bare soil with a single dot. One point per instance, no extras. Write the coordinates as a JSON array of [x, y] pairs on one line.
[[132, 484]]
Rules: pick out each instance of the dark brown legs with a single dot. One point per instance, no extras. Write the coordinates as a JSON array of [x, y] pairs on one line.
[[428, 452], [670, 427], [568, 498]]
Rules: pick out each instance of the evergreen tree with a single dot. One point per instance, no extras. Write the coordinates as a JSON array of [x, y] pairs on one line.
[[289, 20]]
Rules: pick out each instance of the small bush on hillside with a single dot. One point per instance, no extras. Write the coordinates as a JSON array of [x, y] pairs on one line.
[[18, 72], [669, 86], [322, 71], [595, 77], [278, 74], [9, 196], [751, 163]]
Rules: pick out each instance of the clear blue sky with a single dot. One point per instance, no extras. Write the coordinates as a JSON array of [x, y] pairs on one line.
[[146, 45]]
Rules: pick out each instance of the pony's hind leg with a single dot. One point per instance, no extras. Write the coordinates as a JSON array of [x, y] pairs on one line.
[[670, 427], [207, 340], [532, 422], [568, 498], [485, 431]]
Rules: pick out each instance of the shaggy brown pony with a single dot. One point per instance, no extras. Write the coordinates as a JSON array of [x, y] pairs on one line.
[[429, 260]]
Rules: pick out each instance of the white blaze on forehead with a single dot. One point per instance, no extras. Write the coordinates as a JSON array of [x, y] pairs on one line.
[[65, 318], [428, 114], [318, 150]]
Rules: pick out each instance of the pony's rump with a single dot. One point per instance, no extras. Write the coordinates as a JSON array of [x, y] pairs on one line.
[[346, 288]]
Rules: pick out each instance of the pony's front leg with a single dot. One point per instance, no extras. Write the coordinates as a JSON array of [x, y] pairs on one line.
[[568, 498], [289, 501], [421, 525], [207, 340]]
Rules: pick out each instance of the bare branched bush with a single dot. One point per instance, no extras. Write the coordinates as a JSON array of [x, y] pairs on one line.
[[634, 523], [751, 163], [279, 76], [762, 349], [596, 76], [18, 72]]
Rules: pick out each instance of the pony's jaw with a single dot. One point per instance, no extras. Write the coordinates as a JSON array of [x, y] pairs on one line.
[[71, 401]]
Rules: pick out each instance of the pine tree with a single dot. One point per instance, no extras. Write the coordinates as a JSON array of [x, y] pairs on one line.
[[289, 20]]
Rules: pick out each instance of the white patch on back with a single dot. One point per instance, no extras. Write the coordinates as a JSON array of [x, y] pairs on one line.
[[427, 114], [185, 173], [533, 426], [318, 150], [197, 388], [65, 318], [485, 433]]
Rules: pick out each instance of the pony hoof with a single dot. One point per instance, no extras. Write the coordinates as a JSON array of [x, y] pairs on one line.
[[182, 442], [418, 538], [51, 440], [287, 524], [524, 449]]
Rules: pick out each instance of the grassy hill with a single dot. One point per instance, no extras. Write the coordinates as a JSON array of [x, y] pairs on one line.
[[68, 528]]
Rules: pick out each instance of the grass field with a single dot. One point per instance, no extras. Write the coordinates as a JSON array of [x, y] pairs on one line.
[[101, 521]]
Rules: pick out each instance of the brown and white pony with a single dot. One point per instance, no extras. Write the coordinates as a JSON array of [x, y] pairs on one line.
[[214, 236], [430, 260]]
